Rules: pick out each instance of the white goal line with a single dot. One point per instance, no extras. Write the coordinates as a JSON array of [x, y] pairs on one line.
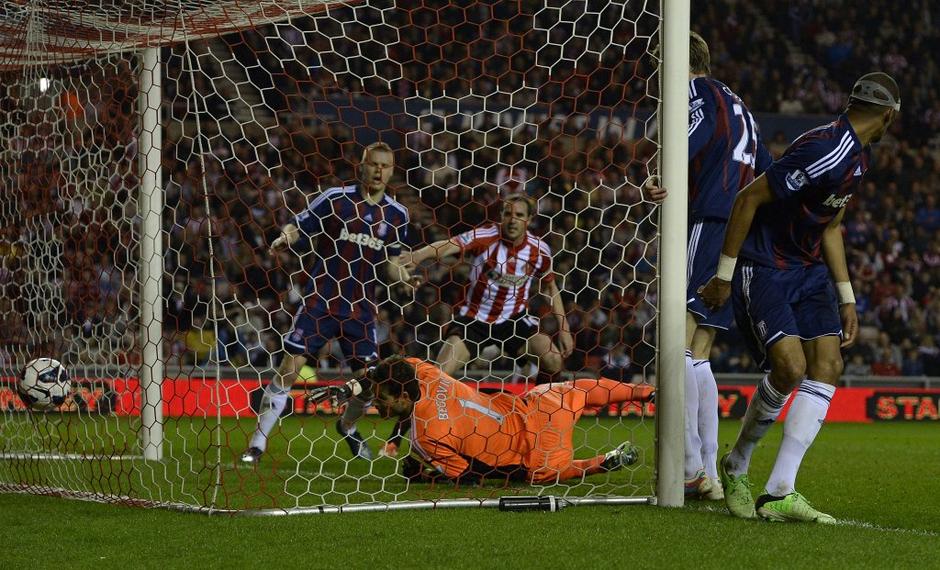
[[839, 522]]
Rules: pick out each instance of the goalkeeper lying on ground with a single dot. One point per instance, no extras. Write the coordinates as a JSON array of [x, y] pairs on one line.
[[461, 434]]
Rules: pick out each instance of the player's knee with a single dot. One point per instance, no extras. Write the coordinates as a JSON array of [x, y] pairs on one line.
[[288, 371], [827, 369], [450, 366], [284, 380], [788, 373], [550, 363], [543, 476]]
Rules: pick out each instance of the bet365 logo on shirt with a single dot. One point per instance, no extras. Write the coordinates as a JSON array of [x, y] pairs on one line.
[[834, 201], [362, 239]]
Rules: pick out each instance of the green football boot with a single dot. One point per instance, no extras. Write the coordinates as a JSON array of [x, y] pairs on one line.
[[737, 491], [790, 508]]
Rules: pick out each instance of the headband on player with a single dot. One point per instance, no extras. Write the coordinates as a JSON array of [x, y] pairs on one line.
[[872, 92]]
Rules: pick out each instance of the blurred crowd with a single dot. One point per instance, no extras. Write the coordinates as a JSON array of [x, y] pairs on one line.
[[892, 226], [238, 187]]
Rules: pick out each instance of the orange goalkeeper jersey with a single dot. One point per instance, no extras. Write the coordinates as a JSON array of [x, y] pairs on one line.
[[453, 423]]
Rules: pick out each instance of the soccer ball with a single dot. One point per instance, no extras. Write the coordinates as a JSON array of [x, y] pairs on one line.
[[44, 384]]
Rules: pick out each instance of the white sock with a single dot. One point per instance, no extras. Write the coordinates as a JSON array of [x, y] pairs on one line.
[[761, 413], [707, 415], [693, 443], [272, 404], [803, 421], [355, 409]]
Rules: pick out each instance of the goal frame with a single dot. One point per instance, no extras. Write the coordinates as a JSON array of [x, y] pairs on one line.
[[673, 169]]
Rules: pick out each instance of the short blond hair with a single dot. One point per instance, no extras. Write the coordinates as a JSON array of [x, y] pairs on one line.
[[700, 61], [377, 146]]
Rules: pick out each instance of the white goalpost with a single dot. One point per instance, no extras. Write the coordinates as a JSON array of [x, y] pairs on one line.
[[151, 255], [674, 111], [151, 156]]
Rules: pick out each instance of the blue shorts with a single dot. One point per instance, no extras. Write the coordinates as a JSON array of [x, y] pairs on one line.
[[314, 328], [705, 239], [770, 304]]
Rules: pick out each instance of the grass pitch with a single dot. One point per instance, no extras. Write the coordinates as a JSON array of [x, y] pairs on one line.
[[880, 480]]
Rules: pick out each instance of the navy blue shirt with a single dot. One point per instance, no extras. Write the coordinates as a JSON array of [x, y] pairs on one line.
[[725, 148], [812, 182], [355, 237]]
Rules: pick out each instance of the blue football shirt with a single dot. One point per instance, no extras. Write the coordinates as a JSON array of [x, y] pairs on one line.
[[354, 237], [813, 180]]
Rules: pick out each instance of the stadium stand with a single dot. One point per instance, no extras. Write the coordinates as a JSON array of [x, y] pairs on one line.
[[891, 228]]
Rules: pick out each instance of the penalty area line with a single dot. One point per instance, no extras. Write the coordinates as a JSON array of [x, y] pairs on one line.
[[839, 522]]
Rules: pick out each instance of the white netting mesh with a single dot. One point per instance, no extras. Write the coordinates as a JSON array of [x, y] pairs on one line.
[[260, 114]]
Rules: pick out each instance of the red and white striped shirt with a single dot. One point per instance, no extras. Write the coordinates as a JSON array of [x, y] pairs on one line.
[[501, 278]]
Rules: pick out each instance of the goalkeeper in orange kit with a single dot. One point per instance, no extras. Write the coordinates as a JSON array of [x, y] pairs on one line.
[[461, 434]]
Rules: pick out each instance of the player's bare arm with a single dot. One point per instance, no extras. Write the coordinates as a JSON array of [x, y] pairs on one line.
[[398, 272], [440, 249], [565, 340], [716, 292], [289, 235], [833, 249]]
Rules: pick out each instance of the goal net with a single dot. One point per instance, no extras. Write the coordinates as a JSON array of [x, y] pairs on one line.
[[152, 156]]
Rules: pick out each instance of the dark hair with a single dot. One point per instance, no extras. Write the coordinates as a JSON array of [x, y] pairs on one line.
[[396, 376], [700, 62]]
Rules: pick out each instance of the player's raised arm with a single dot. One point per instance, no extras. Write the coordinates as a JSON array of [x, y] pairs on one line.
[[833, 249], [716, 292], [474, 241], [440, 249], [309, 222], [289, 235], [398, 272]]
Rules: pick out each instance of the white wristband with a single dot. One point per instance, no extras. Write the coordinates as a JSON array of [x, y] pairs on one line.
[[846, 296], [726, 267]]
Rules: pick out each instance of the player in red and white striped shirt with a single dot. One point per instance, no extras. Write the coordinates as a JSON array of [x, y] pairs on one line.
[[507, 259]]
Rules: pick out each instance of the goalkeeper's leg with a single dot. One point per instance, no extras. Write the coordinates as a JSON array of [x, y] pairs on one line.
[[273, 400], [603, 391], [551, 459], [563, 467], [570, 469], [554, 411]]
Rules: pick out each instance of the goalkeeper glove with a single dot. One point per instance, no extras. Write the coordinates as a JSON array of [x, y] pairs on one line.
[[357, 387]]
